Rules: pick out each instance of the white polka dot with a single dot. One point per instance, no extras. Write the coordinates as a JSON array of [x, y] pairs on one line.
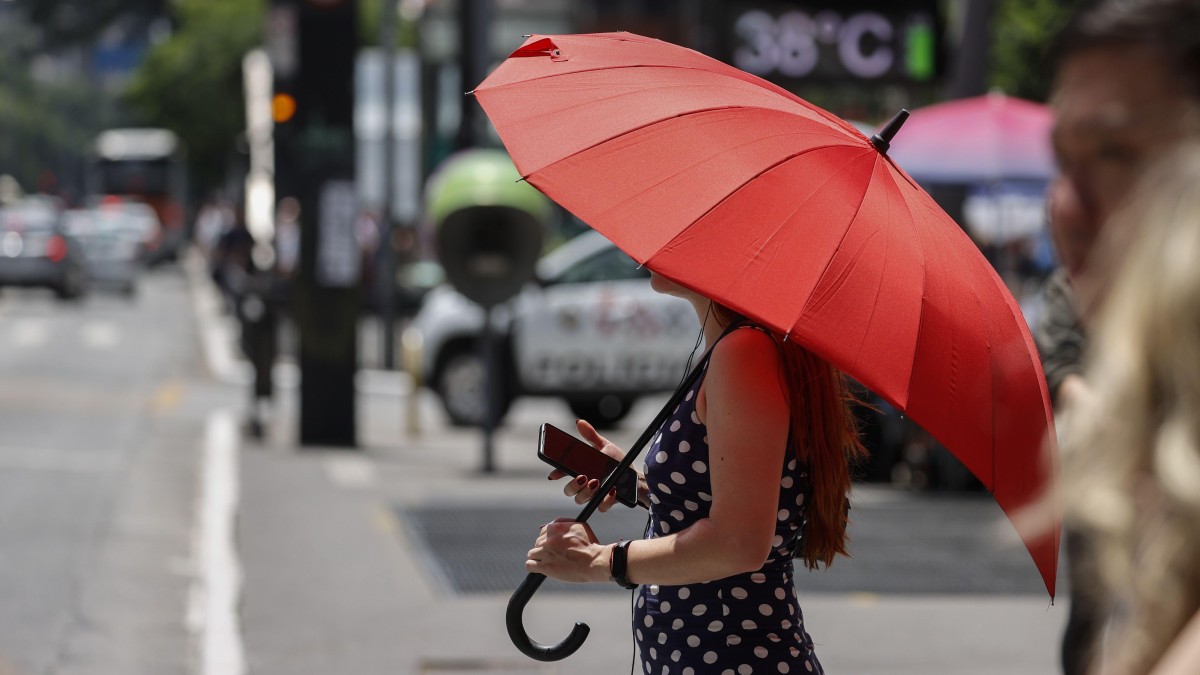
[[749, 625], [710, 657], [780, 593], [745, 669], [800, 499], [675, 425], [649, 621], [695, 417], [664, 488], [785, 624], [664, 526], [758, 577], [787, 482], [705, 496], [791, 608], [693, 640], [688, 671], [733, 640], [638, 632], [699, 467], [684, 593], [675, 656], [724, 610], [678, 477], [641, 601], [777, 541], [685, 447], [666, 670], [677, 624], [795, 652], [706, 439], [677, 514], [760, 652], [772, 637], [715, 626], [665, 606], [691, 505], [690, 394], [699, 609], [660, 456], [728, 671], [739, 593], [784, 513], [808, 666], [653, 653], [792, 464], [783, 667], [662, 638], [765, 610], [654, 588]]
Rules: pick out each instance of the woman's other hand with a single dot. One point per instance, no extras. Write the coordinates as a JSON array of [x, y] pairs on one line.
[[569, 551], [582, 488]]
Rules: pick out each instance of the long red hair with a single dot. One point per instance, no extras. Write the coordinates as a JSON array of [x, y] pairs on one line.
[[824, 434]]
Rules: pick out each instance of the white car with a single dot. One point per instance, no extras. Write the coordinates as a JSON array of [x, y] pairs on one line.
[[590, 330]]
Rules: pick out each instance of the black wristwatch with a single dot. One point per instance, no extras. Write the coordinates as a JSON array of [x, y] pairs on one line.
[[618, 565]]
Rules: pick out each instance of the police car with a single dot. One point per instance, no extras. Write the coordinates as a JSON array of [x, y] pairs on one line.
[[590, 330]]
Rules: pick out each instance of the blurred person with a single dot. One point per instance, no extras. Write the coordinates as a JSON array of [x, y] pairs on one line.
[[751, 470], [1127, 88], [1132, 442], [287, 238]]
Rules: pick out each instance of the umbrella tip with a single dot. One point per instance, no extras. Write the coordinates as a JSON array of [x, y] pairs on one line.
[[883, 140]]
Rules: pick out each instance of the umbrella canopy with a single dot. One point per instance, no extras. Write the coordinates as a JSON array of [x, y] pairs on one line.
[[986, 138], [751, 196]]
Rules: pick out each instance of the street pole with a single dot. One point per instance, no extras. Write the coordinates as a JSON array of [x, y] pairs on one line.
[[475, 18], [387, 40], [970, 75]]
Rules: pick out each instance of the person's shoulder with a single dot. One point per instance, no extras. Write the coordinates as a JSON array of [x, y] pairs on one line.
[[744, 345]]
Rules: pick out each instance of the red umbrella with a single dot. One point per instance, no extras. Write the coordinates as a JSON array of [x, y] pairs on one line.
[[750, 195], [985, 138]]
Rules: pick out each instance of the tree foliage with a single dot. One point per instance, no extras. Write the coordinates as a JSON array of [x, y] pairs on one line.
[[70, 22], [1023, 32], [191, 83]]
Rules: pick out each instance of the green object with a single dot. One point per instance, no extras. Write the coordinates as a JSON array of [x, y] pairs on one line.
[[481, 177], [919, 47]]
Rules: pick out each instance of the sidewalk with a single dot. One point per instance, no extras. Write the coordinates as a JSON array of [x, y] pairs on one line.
[[336, 579]]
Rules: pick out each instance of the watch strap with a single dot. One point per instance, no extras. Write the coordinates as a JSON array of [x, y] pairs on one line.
[[618, 565]]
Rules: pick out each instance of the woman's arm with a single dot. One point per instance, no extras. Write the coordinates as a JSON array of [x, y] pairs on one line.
[[746, 411]]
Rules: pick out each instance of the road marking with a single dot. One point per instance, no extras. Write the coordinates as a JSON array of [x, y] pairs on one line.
[[100, 335], [350, 472], [167, 397], [216, 592], [28, 333]]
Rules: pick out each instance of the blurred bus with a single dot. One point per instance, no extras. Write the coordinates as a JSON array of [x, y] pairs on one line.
[[146, 165]]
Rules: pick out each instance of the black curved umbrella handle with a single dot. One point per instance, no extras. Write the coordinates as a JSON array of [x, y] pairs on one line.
[[516, 628], [521, 596]]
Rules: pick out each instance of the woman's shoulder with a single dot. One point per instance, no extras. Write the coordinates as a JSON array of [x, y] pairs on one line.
[[746, 354]]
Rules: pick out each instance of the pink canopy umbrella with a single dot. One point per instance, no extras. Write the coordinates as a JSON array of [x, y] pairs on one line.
[[987, 138]]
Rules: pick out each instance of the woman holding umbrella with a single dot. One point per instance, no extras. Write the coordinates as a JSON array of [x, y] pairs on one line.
[[751, 470]]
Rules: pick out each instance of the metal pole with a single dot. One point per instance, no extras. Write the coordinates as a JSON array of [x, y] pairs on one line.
[[491, 382], [474, 51], [387, 39]]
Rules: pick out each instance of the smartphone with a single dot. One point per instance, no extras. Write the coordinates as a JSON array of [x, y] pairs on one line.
[[576, 457]]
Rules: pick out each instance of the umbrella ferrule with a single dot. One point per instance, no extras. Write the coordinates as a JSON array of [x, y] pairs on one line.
[[883, 140]]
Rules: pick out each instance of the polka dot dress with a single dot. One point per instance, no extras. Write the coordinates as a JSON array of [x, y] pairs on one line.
[[747, 623]]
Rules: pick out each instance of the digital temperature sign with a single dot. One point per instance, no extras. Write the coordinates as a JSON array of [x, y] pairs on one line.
[[887, 41]]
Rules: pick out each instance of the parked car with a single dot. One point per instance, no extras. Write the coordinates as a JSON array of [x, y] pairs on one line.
[[133, 220], [112, 244], [590, 330], [36, 251]]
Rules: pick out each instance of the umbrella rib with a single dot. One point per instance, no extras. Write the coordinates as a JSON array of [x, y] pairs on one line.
[[912, 370]]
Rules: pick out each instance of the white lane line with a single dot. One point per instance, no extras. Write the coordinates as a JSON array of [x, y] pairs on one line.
[[100, 335], [215, 337], [350, 471], [216, 593], [28, 333]]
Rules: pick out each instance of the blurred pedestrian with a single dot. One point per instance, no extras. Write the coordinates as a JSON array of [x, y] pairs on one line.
[[1127, 88], [1132, 443], [751, 470]]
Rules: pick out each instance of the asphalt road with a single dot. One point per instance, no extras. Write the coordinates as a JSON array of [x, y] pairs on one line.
[[100, 416]]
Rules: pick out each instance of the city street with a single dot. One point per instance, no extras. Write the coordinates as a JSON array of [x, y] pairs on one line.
[[140, 534]]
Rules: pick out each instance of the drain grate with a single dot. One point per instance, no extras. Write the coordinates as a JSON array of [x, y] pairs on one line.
[[903, 544], [472, 549]]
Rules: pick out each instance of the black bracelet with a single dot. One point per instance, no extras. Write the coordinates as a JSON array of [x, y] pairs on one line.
[[618, 565]]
